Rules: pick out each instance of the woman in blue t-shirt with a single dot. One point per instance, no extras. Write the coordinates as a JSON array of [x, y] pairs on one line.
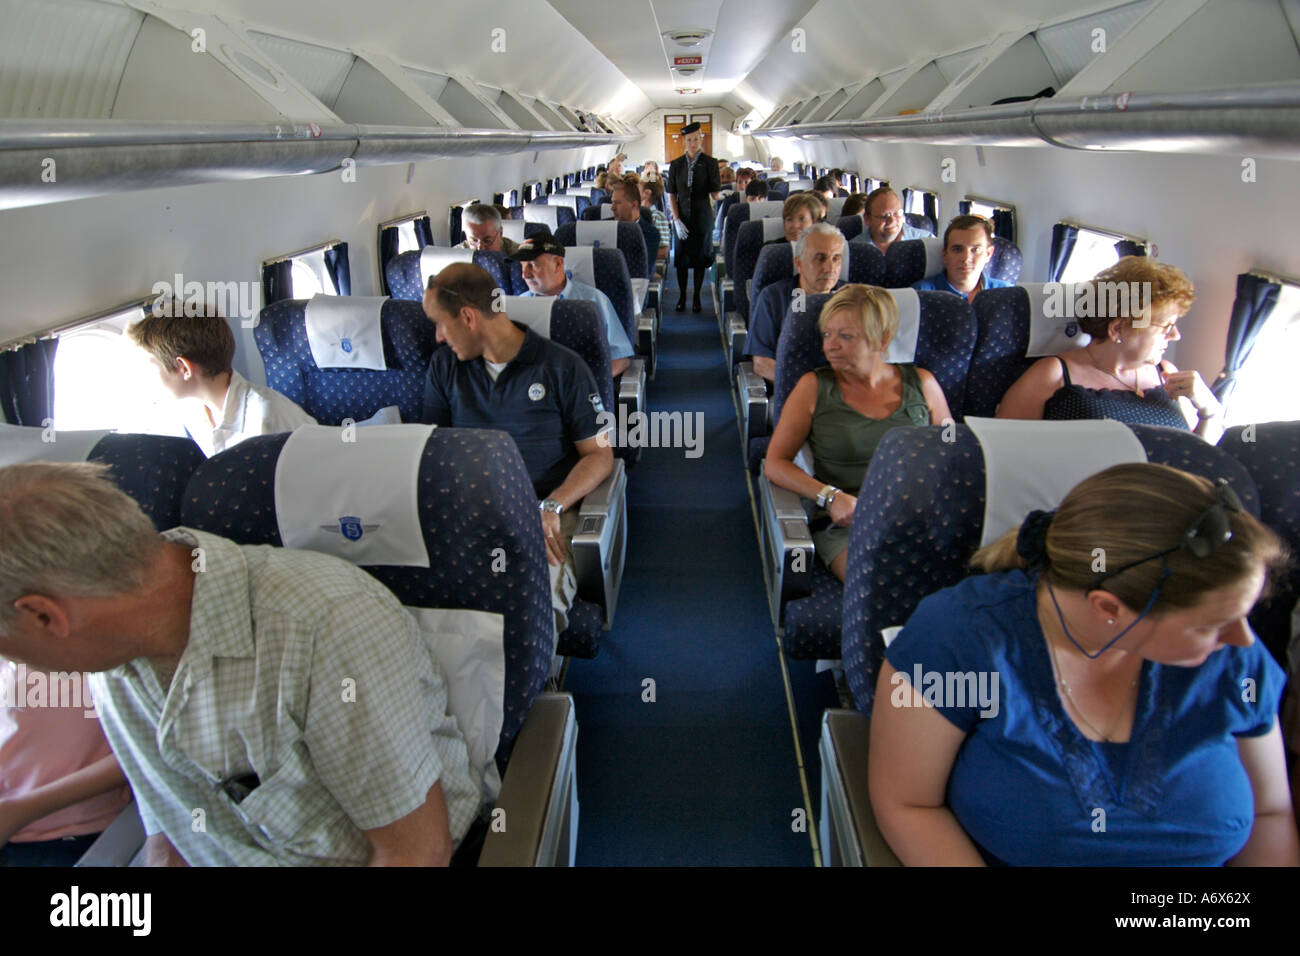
[[1097, 700]]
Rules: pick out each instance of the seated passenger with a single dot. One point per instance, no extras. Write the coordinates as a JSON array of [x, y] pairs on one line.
[[726, 175], [615, 168], [836, 176], [60, 785], [602, 177], [483, 230], [824, 188], [776, 165], [818, 259], [967, 250], [1122, 373], [884, 221], [843, 411], [500, 374], [855, 205], [650, 171], [193, 355], [799, 212], [1111, 702], [543, 271], [242, 661], [756, 191], [744, 176], [652, 191], [625, 200]]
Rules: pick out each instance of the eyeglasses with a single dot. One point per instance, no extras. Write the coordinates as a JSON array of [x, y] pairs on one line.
[[1209, 532], [889, 215]]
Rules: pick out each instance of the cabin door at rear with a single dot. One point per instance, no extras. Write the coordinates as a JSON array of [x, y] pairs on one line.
[[673, 123]]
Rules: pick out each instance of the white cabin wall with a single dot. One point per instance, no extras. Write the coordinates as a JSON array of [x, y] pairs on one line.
[[73, 259], [1202, 216]]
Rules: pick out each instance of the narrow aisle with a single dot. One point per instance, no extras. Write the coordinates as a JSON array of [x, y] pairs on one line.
[[704, 774]]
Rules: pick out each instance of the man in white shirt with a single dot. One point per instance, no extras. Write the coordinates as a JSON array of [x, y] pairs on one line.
[[193, 355]]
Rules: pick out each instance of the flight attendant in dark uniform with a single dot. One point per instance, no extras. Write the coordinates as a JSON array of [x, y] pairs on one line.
[[691, 180]]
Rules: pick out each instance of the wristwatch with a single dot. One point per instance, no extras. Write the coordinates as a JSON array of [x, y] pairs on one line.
[[551, 505], [826, 496]]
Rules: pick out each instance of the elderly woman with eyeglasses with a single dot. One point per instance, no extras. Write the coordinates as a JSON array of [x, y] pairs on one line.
[[1122, 373], [1115, 708]]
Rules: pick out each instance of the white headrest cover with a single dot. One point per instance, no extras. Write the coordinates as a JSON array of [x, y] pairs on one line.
[[763, 210], [772, 228], [537, 212], [1053, 327], [513, 229], [836, 208], [603, 234], [580, 263], [532, 311], [559, 199], [933, 255], [343, 331], [1031, 465], [433, 259], [356, 499], [606, 210], [578, 191], [903, 347]]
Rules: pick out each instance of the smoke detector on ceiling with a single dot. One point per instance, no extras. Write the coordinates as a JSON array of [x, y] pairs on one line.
[[687, 70], [688, 37]]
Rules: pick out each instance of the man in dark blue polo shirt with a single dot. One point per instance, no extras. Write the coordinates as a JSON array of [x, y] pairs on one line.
[[499, 374]]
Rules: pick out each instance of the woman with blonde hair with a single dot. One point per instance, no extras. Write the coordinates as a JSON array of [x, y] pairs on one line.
[[1125, 714], [1132, 310], [844, 410]]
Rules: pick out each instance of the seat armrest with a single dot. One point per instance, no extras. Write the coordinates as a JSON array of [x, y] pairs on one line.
[[752, 391], [734, 336], [121, 842], [631, 387], [849, 835], [538, 804], [788, 550], [600, 541], [646, 339]]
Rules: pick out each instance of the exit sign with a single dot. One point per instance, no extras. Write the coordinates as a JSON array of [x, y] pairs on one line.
[[688, 60]]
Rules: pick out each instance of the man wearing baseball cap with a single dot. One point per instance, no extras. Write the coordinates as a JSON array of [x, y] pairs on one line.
[[542, 263]]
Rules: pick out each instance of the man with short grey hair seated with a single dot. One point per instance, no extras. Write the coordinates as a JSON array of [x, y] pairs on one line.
[[222, 681], [482, 225]]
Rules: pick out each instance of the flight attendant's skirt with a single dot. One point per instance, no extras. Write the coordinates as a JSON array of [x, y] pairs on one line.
[[696, 250]]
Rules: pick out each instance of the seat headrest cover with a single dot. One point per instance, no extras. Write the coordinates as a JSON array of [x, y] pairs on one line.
[[344, 331], [539, 212], [592, 233], [353, 493], [513, 229], [580, 264], [578, 191], [902, 349], [559, 199], [772, 228], [606, 212], [766, 209], [533, 311], [433, 259], [933, 255], [1032, 465], [1052, 324], [20, 444], [836, 206]]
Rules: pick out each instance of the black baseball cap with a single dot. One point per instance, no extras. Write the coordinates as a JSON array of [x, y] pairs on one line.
[[541, 245]]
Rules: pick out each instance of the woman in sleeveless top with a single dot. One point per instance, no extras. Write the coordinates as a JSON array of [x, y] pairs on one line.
[[843, 411], [1121, 374]]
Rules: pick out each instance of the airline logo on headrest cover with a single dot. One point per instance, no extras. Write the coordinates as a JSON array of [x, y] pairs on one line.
[[350, 527], [345, 345]]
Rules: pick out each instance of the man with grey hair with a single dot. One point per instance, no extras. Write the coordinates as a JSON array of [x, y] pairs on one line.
[[219, 676], [818, 258], [483, 232]]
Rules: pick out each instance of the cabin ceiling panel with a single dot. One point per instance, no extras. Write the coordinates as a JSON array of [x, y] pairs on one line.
[[538, 53], [61, 59]]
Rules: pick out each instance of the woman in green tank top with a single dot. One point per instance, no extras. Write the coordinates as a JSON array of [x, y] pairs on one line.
[[843, 411]]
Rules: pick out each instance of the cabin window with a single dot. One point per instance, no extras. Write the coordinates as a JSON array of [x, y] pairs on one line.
[[1255, 396], [101, 380], [851, 182], [322, 270], [1093, 250], [1002, 215], [531, 191], [922, 209], [870, 185], [409, 234]]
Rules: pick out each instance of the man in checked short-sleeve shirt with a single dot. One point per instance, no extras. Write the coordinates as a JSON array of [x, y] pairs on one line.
[[269, 706]]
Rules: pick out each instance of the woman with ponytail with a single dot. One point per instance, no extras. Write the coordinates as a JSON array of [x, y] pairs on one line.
[[1096, 697]]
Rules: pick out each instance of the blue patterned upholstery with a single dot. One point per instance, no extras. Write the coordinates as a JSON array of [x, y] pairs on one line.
[[812, 623], [737, 214], [919, 518], [403, 272], [152, 469], [851, 226], [924, 223], [474, 497], [749, 240], [1002, 317], [1006, 262], [904, 263], [946, 343], [333, 394], [631, 242], [595, 213], [1273, 460], [578, 326]]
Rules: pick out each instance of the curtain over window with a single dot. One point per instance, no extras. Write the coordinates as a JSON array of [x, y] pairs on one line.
[[1127, 247], [277, 281], [336, 264], [27, 383], [1256, 299], [1063, 239]]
